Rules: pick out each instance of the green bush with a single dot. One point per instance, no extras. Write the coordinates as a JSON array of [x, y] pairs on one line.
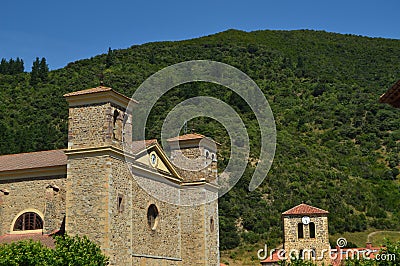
[[77, 251]]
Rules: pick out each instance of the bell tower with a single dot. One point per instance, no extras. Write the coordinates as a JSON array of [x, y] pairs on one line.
[[97, 117], [98, 122], [306, 234], [195, 156]]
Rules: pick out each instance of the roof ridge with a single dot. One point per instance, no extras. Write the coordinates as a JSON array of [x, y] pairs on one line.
[[303, 208]]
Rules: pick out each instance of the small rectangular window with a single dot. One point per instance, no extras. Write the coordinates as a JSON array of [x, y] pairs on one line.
[[120, 203]]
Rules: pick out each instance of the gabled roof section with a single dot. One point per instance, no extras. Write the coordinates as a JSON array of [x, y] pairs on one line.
[[303, 209], [191, 136], [97, 95], [137, 146], [165, 165], [31, 160], [392, 96], [88, 91]]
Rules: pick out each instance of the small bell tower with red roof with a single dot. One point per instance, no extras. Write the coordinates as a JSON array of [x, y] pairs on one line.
[[305, 230]]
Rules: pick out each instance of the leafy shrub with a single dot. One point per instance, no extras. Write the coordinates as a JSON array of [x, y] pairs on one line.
[[77, 251]]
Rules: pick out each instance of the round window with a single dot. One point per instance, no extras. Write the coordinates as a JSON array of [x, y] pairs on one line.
[[153, 159], [152, 216]]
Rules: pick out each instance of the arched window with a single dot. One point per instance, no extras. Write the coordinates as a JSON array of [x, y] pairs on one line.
[[301, 255], [312, 230], [152, 216], [28, 221], [300, 231]]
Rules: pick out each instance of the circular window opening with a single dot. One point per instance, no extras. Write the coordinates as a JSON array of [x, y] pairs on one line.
[[152, 216], [153, 159]]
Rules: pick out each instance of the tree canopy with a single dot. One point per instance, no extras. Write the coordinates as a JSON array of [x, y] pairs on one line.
[[337, 147]]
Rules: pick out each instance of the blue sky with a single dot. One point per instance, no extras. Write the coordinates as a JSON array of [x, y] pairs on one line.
[[66, 31]]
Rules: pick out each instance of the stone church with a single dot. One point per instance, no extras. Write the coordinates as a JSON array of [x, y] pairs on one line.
[[92, 188]]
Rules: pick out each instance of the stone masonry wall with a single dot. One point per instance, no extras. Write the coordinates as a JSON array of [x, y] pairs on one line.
[[32, 194], [320, 243], [120, 207], [163, 244], [90, 126], [88, 199], [212, 233]]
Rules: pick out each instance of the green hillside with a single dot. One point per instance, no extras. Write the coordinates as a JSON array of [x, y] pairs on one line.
[[337, 147]]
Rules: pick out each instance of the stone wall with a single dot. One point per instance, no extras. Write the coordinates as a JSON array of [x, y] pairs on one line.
[[120, 209], [206, 168], [88, 198], [162, 242], [89, 126], [32, 194], [320, 243]]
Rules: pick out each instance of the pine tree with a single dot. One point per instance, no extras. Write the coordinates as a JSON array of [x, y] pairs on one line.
[[11, 66], [3, 66], [35, 72], [40, 71], [110, 58], [43, 70], [19, 65]]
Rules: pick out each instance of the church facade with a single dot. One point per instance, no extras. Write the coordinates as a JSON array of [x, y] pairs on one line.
[[94, 188]]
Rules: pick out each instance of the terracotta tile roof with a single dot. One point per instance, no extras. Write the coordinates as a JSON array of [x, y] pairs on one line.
[[46, 240], [271, 259], [137, 146], [88, 91], [96, 90], [187, 137], [30, 160], [304, 209], [341, 254], [392, 95]]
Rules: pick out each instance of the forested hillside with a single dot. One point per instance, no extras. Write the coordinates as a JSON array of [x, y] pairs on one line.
[[337, 147]]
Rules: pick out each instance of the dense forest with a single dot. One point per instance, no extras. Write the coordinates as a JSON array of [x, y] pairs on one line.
[[337, 147]]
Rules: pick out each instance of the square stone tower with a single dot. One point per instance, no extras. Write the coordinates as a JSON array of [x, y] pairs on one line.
[[306, 233], [106, 196], [196, 158]]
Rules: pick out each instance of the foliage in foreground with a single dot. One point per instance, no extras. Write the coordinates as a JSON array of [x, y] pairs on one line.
[[77, 251]]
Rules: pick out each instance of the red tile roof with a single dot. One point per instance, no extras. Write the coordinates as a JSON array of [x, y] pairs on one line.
[[43, 159], [88, 91], [303, 209], [46, 240], [271, 259], [31, 160], [187, 137], [95, 90]]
